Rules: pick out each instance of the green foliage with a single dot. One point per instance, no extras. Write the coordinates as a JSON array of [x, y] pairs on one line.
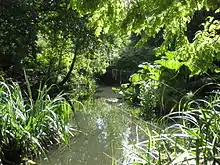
[[53, 63], [69, 54], [172, 18], [148, 97], [65, 42], [180, 56], [200, 54], [18, 33], [156, 88], [30, 127], [153, 16], [54, 44], [131, 56], [191, 138]]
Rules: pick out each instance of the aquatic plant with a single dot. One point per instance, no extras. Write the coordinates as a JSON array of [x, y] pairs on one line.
[[189, 136], [28, 127]]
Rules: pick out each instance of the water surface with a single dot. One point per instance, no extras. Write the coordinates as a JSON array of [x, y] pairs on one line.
[[106, 132]]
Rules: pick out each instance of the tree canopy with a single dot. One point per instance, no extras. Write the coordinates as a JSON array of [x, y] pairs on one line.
[[172, 17], [52, 42]]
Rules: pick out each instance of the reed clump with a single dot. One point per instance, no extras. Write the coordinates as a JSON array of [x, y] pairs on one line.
[[190, 135], [29, 127]]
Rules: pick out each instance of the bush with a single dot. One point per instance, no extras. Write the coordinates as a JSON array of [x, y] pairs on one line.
[[156, 88], [148, 98]]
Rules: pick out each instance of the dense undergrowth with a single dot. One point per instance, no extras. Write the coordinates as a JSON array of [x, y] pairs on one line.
[[29, 128]]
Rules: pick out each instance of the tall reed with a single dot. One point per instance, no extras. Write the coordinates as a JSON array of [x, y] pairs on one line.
[[189, 136], [29, 127]]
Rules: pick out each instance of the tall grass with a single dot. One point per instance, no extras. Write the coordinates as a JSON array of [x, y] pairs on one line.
[[29, 127], [189, 136]]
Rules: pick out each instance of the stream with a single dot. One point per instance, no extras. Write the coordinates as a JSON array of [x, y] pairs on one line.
[[106, 133]]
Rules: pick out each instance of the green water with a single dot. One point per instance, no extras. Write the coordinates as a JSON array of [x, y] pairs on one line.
[[106, 132]]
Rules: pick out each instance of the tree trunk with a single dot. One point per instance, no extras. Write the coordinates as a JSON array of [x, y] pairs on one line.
[[66, 78]]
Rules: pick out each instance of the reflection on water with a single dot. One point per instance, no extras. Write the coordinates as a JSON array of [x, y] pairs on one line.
[[105, 134]]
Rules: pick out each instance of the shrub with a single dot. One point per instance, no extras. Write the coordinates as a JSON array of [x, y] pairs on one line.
[[156, 88]]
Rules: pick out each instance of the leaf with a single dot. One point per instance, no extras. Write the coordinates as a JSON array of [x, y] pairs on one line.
[[217, 70], [218, 10], [98, 31], [135, 77], [193, 133], [170, 55], [115, 89], [106, 29], [137, 163], [170, 64], [144, 66]]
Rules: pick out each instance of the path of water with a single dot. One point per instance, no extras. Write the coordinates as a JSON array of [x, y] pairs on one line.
[[107, 130]]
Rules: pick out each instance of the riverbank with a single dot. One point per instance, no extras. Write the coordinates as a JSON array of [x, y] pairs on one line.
[[30, 127]]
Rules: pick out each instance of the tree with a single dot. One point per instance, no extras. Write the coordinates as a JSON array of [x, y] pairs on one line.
[[17, 33], [190, 46], [170, 16], [52, 42]]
